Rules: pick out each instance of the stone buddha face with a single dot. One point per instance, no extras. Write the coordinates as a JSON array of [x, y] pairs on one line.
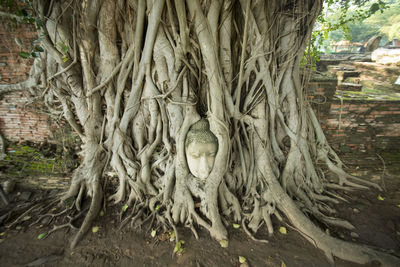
[[201, 147]]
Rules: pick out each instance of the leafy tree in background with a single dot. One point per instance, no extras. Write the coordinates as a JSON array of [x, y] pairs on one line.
[[359, 24], [388, 21], [132, 76]]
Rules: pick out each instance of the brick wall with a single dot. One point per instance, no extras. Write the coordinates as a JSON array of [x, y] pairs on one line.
[[362, 125], [320, 93], [369, 126], [18, 122], [13, 68]]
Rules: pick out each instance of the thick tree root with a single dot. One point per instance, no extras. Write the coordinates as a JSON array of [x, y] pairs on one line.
[[331, 246], [93, 212]]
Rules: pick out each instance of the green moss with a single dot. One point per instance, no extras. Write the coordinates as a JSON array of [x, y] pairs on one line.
[[24, 160], [365, 95]]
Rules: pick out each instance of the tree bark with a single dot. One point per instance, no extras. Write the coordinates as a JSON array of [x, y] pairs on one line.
[[134, 76]]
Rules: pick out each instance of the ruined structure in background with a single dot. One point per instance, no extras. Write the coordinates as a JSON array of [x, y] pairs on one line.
[[389, 54], [372, 44], [357, 100]]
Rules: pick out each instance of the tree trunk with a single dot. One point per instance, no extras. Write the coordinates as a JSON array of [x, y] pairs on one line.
[[133, 77]]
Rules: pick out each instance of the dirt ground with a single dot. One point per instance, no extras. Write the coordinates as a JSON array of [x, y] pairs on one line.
[[375, 214]]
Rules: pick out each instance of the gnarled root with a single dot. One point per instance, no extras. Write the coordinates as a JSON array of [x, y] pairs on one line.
[[94, 210], [87, 179], [331, 246]]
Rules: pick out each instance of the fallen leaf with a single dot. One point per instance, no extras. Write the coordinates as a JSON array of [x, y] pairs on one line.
[[3, 233], [283, 264], [398, 205], [179, 249], [380, 197], [327, 232], [26, 218], [236, 226], [242, 259], [177, 246], [95, 229], [153, 233], [172, 236], [124, 207], [42, 235], [224, 243], [101, 213], [354, 235], [283, 230]]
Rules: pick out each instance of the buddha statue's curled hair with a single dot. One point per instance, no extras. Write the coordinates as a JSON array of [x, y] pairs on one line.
[[200, 132]]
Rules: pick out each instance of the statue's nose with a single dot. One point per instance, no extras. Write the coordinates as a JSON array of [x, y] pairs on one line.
[[204, 168]]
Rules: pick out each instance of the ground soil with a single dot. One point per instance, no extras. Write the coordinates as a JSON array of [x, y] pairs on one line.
[[375, 214]]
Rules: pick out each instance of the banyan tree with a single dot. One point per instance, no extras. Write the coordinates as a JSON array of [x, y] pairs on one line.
[[199, 107]]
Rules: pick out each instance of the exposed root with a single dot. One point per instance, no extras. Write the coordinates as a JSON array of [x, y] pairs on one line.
[[251, 236], [344, 178], [94, 210], [36, 206], [70, 224], [51, 216]]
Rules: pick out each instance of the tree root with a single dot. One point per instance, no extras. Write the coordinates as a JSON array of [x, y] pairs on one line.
[[69, 224], [251, 235], [331, 246], [36, 207], [94, 210]]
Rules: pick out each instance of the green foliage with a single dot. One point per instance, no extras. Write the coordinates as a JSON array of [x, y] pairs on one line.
[[392, 30], [33, 53], [313, 52], [373, 18], [388, 22], [339, 20], [385, 23], [64, 50], [22, 13]]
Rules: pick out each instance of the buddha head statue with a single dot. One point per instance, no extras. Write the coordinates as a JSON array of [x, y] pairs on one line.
[[201, 147]]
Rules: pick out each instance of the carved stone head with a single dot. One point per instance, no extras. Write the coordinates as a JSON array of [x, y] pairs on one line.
[[201, 147]]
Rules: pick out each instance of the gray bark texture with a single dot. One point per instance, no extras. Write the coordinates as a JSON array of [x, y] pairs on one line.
[[132, 76]]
